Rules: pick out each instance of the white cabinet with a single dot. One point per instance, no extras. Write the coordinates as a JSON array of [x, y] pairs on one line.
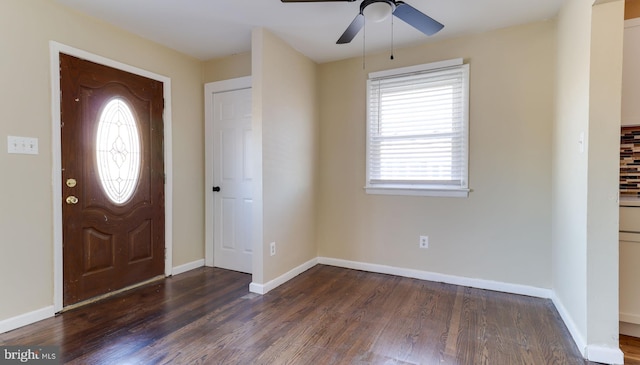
[[629, 274], [631, 73], [630, 219], [629, 269]]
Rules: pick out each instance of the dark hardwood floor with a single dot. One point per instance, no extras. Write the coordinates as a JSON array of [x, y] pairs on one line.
[[326, 315]]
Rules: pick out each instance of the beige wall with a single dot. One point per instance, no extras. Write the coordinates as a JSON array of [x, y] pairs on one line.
[[527, 220], [502, 231], [605, 95], [231, 67], [26, 221], [585, 184], [569, 212], [286, 122]]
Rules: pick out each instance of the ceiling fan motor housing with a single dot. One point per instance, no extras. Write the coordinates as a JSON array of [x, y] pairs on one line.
[[377, 10]]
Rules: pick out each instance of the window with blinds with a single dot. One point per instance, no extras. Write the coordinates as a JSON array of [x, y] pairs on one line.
[[417, 129]]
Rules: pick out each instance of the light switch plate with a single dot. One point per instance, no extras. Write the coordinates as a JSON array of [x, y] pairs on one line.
[[22, 145]]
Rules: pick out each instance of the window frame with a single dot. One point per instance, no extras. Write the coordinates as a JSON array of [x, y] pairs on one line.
[[421, 188]]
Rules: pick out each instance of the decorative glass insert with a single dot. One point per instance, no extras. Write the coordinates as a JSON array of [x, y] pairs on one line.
[[118, 151]]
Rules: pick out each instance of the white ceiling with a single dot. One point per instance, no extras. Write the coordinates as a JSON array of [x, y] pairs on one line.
[[208, 29]]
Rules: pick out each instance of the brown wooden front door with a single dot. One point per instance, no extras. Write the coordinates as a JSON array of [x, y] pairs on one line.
[[112, 179]]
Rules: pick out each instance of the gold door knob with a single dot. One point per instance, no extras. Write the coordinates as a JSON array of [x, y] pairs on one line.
[[71, 183], [72, 200]]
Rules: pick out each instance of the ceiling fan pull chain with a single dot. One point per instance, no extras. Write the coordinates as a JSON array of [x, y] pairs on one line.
[[391, 58], [364, 42]]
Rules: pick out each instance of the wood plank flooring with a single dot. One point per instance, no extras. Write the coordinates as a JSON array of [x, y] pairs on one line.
[[631, 348], [326, 315]]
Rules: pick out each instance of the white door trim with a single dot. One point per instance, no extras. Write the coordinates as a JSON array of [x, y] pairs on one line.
[[55, 49], [210, 89]]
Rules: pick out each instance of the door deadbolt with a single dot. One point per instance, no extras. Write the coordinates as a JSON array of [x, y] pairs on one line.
[[72, 200], [71, 183]]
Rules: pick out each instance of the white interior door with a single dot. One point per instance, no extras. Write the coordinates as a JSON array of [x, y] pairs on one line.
[[232, 180]]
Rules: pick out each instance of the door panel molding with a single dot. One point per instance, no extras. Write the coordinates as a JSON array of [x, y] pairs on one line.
[[55, 49], [209, 90]]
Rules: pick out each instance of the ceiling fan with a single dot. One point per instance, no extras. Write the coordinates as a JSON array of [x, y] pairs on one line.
[[378, 10]]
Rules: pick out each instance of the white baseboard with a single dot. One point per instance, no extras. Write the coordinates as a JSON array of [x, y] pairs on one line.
[[449, 279], [629, 317], [605, 354], [629, 329], [47, 312], [602, 354], [265, 288], [25, 319], [10, 324], [571, 325], [187, 267], [595, 353]]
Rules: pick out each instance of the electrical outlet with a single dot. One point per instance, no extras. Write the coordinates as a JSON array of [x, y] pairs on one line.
[[424, 241], [272, 248]]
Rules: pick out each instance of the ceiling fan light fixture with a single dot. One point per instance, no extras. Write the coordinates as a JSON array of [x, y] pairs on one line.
[[378, 11]]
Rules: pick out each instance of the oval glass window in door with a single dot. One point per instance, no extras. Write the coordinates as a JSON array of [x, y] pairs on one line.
[[118, 151]]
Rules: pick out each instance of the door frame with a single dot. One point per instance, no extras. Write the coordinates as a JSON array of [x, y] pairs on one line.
[[209, 90], [55, 49]]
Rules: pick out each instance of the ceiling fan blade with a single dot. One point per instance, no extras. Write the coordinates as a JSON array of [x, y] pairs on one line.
[[315, 1], [352, 30], [417, 19]]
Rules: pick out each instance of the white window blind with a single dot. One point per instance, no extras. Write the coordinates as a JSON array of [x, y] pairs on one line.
[[418, 129]]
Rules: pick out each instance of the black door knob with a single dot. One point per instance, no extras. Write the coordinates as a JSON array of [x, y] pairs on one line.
[[216, 188]]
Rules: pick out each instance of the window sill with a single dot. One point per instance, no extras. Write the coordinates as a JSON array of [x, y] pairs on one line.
[[418, 191]]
